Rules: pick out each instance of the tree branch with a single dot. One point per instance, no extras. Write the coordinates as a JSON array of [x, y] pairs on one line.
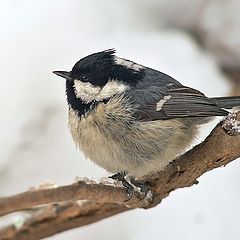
[[77, 191], [218, 149], [56, 218]]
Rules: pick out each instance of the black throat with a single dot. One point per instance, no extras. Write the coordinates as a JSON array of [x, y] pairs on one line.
[[77, 104]]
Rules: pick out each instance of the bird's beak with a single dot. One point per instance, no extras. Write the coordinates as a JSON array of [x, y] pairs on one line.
[[63, 74]]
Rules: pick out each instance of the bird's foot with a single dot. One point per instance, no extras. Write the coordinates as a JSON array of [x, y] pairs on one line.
[[133, 185], [144, 188], [120, 176]]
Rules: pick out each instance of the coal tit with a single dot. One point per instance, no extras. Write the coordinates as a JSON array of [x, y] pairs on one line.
[[128, 118]]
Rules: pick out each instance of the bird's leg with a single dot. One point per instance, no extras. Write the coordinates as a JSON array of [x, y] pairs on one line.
[[120, 176], [144, 189]]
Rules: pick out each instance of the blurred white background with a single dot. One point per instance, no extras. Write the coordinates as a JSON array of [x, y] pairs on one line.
[[189, 40]]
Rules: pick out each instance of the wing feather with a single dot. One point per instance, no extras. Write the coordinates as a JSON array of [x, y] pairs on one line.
[[179, 102]]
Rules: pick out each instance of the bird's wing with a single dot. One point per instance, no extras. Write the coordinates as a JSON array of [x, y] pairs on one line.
[[175, 102]]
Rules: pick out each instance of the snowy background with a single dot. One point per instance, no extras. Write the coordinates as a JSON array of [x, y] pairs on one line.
[[189, 40]]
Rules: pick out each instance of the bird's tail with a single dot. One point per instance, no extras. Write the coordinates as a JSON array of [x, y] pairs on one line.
[[227, 102]]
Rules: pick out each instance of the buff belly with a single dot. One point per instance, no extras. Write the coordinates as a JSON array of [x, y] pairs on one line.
[[109, 138]]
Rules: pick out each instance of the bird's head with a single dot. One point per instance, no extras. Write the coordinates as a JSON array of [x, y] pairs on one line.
[[100, 76]]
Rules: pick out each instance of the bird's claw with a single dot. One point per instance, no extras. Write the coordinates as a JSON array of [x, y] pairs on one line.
[[144, 189], [129, 188]]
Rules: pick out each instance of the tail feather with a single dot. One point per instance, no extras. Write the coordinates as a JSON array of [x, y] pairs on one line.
[[227, 102]]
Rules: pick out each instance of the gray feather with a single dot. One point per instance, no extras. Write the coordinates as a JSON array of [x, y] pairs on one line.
[[181, 101], [227, 102]]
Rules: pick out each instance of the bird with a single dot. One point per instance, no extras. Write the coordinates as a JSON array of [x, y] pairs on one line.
[[133, 120]]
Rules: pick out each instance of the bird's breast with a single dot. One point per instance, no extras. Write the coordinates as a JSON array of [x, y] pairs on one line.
[[90, 137], [113, 140]]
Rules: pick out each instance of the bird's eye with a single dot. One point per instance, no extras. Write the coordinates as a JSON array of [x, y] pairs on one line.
[[85, 77]]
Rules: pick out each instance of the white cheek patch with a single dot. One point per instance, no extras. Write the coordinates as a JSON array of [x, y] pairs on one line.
[[88, 92], [161, 102], [128, 64], [111, 88]]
